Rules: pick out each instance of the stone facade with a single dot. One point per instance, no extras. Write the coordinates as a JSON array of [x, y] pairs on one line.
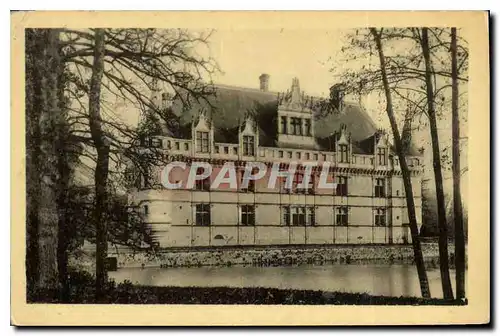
[[373, 199]]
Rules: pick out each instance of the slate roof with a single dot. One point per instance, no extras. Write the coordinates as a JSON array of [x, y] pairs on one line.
[[230, 105]]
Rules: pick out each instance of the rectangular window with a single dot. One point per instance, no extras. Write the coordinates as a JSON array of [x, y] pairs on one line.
[[146, 210], [316, 157], [226, 150], [204, 184], [251, 183], [341, 186], [216, 148], [203, 214], [186, 146], [296, 124], [382, 157], [308, 126], [311, 216], [202, 143], [248, 145], [298, 216], [247, 215], [286, 215], [290, 155], [297, 180], [380, 217], [298, 155], [177, 145], [308, 156], [280, 154], [344, 158], [284, 125], [342, 216], [235, 151], [157, 143], [380, 187]]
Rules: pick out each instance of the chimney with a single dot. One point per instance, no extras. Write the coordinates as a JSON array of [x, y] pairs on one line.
[[264, 82]]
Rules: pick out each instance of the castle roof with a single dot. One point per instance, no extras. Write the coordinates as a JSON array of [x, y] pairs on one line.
[[230, 105]]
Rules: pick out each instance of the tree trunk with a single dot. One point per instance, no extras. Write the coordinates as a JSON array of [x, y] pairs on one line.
[[457, 196], [34, 50], [47, 212], [101, 170], [438, 177], [417, 249], [65, 171]]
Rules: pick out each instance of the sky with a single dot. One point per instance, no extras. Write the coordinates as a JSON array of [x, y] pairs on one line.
[[243, 55]]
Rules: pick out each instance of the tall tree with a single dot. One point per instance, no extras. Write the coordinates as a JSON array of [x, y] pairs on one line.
[[101, 170], [417, 249], [438, 175], [457, 195]]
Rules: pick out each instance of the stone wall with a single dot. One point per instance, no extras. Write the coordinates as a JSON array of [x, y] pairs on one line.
[[274, 256]]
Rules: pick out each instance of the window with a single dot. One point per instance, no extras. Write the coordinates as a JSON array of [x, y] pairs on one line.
[[202, 143], [202, 184], [283, 125], [280, 154], [186, 146], [290, 155], [169, 144], [298, 216], [156, 143], [203, 214], [342, 216], [235, 151], [380, 217], [226, 150], [298, 155], [343, 154], [248, 145], [381, 156], [296, 124], [247, 215], [379, 187], [251, 183], [177, 145], [311, 216], [217, 149], [341, 186], [286, 215], [316, 157], [146, 210], [323, 156], [308, 156], [307, 124]]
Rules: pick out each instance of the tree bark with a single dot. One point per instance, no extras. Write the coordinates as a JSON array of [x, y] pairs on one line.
[[438, 177], [34, 50], [417, 249], [457, 196], [47, 212], [102, 169]]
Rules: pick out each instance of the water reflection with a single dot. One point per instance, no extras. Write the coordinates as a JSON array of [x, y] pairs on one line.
[[392, 280]]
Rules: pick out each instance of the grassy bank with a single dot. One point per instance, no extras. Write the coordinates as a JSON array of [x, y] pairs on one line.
[[82, 291]]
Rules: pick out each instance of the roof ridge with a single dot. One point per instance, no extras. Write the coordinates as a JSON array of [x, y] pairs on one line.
[[237, 87]]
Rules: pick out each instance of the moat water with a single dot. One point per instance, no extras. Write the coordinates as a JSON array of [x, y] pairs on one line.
[[383, 279]]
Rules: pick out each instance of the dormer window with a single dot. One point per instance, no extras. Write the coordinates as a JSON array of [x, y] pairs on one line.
[[284, 125], [248, 145], [202, 142], [296, 126], [343, 154], [382, 156], [307, 126]]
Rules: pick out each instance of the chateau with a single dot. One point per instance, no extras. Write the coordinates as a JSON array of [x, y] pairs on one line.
[[241, 125]]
